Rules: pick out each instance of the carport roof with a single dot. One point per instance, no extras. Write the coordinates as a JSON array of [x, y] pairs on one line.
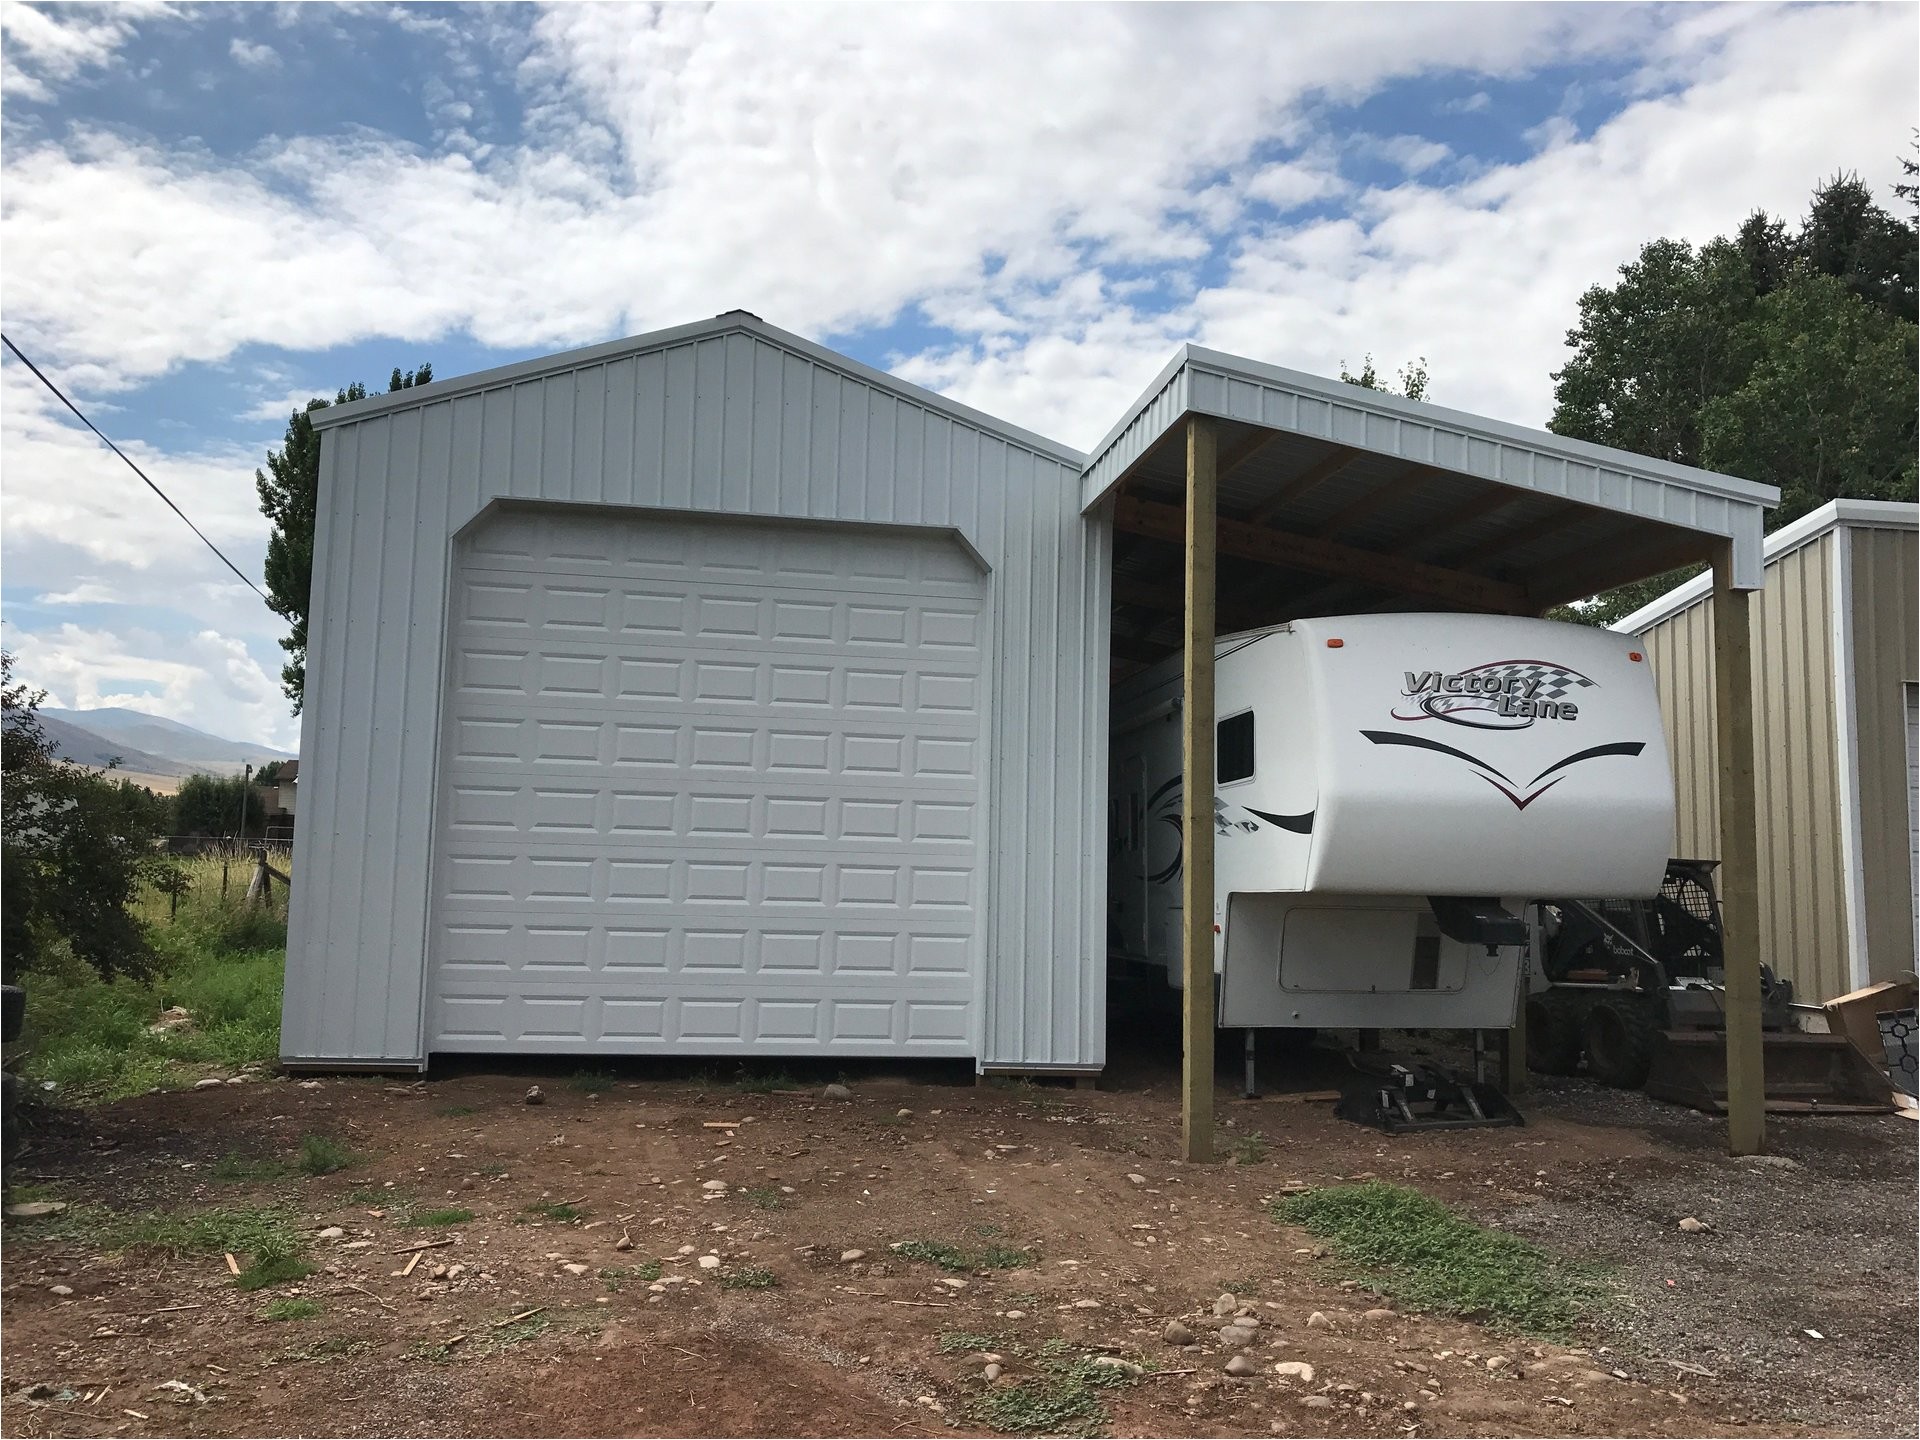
[[1334, 498]]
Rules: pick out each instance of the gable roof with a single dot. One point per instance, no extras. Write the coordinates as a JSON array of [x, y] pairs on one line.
[[734, 322]]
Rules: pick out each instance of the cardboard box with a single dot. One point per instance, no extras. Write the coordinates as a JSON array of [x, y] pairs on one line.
[[1856, 1014]]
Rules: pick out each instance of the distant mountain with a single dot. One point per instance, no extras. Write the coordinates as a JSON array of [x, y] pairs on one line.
[[166, 746], [84, 747]]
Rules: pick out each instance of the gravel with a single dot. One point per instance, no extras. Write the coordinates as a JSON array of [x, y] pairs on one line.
[[1818, 1236]]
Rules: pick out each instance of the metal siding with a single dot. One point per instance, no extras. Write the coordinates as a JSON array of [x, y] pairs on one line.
[[1803, 917], [733, 423], [1886, 637]]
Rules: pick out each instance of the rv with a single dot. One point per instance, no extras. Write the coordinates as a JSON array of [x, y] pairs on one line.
[[1390, 791]]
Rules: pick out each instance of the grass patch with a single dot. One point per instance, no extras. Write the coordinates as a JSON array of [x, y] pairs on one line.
[[290, 1310], [1250, 1149], [222, 962], [955, 1257], [321, 1156], [454, 1112], [553, 1210], [432, 1351], [266, 1238], [436, 1219], [750, 1082], [591, 1082], [1063, 1395], [952, 1342], [749, 1277], [647, 1271], [765, 1197], [1416, 1251], [268, 1270], [237, 1169]]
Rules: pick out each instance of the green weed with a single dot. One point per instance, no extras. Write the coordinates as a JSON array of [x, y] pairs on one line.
[[1414, 1250], [321, 1156], [764, 1197], [1062, 1396], [954, 1341], [454, 1112], [290, 1310], [237, 1169], [519, 1331], [434, 1219], [1250, 1149], [647, 1271], [751, 1083], [558, 1210], [330, 1347], [749, 1277], [954, 1257], [591, 1082]]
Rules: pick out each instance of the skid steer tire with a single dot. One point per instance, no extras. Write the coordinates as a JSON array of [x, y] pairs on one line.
[[1620, 1036], [1553, 1039]]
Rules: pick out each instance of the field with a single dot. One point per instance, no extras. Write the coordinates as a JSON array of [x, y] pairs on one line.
[[221, 961], [656, 1252]]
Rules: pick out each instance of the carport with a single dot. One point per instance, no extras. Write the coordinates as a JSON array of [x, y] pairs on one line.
[[1245, 494]]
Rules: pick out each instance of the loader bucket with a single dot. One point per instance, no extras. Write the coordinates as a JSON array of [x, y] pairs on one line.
[[1805, 1074]]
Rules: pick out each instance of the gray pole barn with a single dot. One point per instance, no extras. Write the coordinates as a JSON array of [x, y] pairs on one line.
[[709, 693]]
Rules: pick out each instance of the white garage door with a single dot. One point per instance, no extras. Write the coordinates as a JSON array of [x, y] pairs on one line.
[[709, 786]]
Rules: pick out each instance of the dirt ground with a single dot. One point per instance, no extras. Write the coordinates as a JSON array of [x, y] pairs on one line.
[[1709, 1335]]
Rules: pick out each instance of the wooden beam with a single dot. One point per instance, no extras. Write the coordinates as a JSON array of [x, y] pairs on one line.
[[1552, 523], [1234, 457], [1739, 855], [1288, 551], [1371, 501], [1310, 479], [1496, 498], [1196, 801]]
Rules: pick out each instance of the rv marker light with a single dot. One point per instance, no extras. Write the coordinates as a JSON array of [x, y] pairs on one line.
[[1635, 656], [1335, 644]]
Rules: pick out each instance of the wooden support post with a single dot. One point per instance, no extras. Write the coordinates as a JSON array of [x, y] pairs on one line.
[[1739, 856], [1196, 803], [1514, 1057]]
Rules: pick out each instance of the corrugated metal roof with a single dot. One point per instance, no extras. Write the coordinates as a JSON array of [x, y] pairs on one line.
[[1459, 455]]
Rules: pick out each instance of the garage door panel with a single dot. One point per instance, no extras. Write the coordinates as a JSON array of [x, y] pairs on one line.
[[711, 786]]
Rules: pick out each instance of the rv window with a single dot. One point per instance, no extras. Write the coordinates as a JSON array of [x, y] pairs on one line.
[[1233, 748]]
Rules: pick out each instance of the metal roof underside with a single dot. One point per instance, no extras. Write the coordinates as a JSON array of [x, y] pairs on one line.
[[1338, 500]]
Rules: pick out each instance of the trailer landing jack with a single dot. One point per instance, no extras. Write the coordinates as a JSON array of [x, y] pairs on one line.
[[1401, 1096]]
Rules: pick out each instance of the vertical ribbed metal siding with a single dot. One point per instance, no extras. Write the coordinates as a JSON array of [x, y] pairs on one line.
[[730, 423], [1886, 638], [1803, 919]]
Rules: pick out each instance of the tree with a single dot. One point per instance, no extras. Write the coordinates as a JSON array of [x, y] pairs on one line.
[[210, 805], [1781, 356], [1909, 189], [1828, 408], [75, 848], [1413, 378], [289, 498]]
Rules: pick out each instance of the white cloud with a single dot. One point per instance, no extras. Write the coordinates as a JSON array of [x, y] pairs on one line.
[[253, 55], [204, 679], [44, 48], [1047, 183], [1473, 104]]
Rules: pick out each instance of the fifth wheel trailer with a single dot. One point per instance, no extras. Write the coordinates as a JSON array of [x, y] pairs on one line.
[[1390, 792]]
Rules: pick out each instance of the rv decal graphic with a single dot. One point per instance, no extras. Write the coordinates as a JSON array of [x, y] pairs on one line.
[[1164, 808], [1500, 695], [1498, 778]]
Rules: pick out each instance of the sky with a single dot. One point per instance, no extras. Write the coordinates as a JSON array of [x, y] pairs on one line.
[[210, 213]]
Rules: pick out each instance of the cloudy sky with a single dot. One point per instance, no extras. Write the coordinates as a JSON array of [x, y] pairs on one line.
[[211, 213]]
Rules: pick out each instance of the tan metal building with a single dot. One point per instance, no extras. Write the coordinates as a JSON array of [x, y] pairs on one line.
[[1836, 727]]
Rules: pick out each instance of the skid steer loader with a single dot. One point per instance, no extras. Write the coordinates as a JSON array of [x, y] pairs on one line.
[[1636, 989]]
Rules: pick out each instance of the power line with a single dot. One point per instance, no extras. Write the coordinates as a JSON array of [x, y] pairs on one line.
[[136, 470]]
